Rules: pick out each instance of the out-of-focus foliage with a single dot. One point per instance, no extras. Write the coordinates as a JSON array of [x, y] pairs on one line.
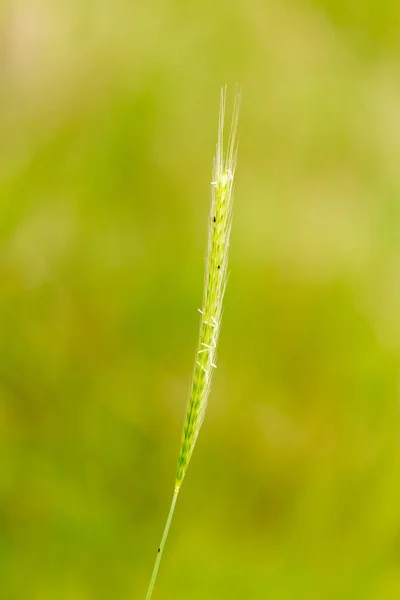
[[108, 116]]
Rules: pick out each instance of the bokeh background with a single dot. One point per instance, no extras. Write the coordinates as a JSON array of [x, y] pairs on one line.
[[108, 117]]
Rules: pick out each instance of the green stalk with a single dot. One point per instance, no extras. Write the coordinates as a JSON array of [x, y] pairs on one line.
[[216, 275], [162, 544]]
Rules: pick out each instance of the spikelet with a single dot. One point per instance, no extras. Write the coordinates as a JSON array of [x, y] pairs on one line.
[[216, 275]]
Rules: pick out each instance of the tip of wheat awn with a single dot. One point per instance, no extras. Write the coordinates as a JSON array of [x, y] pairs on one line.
[[215, 280]]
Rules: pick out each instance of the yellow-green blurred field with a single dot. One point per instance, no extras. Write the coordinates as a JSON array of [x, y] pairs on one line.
[[108, 121]]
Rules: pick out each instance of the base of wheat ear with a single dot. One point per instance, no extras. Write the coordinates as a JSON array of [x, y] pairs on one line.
[[216, 274]]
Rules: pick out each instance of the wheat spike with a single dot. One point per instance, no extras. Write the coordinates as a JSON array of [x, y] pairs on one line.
[[216, 275]]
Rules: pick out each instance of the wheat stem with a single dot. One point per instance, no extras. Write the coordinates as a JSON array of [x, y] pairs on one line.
[[216, 275], [162, 544]]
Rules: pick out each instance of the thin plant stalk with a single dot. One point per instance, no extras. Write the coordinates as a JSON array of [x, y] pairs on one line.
[[162, 544], [216, 275]]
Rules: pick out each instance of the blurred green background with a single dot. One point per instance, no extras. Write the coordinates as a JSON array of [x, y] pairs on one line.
[[108, 119]]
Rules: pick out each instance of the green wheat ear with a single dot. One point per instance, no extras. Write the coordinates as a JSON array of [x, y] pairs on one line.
[[216, 275]]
